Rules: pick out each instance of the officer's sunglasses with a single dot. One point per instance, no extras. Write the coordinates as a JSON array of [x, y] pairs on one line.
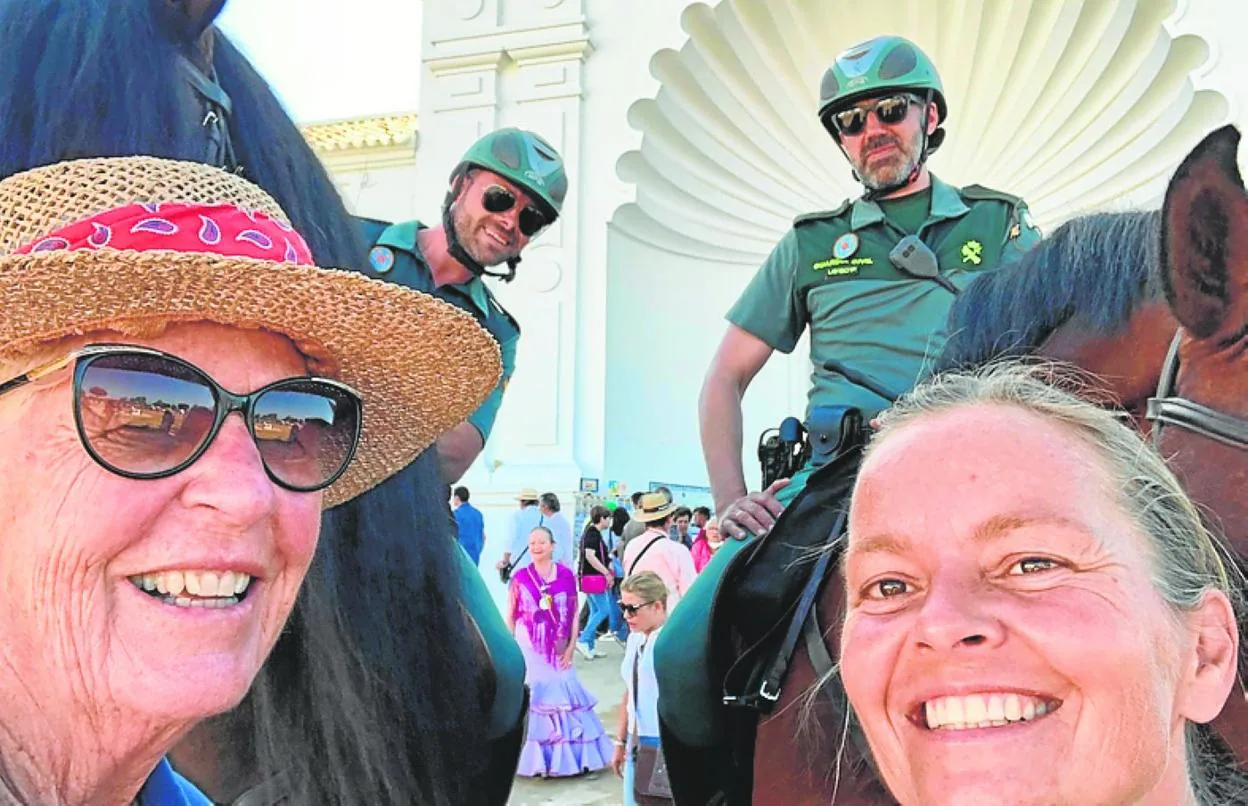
[[632, 610], [144, 414], [498, 199], [889, 110]]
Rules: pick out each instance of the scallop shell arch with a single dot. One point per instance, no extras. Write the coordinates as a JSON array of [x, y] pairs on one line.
[[1072, 105]]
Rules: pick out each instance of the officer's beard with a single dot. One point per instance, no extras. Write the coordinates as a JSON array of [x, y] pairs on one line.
[[891, 171], [471, 234]]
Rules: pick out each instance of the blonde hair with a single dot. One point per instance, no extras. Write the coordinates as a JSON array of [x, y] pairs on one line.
[[1187, 560], [646, 584]]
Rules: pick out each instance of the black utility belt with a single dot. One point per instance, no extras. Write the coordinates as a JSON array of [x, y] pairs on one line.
[[829, 429]]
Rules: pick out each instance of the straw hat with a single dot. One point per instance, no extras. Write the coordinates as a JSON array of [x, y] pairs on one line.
[[527, 494], [421, 365], [653, 507]]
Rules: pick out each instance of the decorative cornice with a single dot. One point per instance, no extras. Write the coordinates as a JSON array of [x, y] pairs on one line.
[[569, 39], [381, 131]]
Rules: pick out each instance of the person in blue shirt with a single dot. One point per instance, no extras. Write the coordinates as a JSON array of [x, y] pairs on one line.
[[470, 523]]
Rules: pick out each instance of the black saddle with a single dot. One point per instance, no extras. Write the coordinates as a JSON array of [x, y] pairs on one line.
[[767, 597]]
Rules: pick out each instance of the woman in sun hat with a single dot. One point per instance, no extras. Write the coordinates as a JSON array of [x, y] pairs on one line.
[[151, 544]]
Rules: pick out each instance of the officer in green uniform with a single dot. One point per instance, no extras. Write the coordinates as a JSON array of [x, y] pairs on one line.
[[874, 300], [509, 186]]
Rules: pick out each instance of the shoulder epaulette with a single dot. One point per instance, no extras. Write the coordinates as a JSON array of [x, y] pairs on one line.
[[822, 215], [981, 193]]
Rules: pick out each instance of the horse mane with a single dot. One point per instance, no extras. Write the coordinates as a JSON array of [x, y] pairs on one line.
[[391, 725], [367, 696], [274, 155], [88, 79], [1097, 269]]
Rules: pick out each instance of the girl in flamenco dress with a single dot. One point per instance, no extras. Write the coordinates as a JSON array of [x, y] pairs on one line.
[[565, 736]]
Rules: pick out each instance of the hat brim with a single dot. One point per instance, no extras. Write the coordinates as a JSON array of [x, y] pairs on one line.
[[657, 515], [420, 364]]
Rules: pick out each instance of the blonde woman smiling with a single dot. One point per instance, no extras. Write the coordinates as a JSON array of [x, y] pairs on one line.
[[1036, 614]]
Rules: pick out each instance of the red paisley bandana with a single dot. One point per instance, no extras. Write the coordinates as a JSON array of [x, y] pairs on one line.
[[193, 228]]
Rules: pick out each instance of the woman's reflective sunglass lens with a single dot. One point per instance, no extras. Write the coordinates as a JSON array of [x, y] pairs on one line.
[[143, 414], [498, 199], [889, 110], [631, 610]]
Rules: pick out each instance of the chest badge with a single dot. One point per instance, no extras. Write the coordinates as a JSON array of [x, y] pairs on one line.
[[381, 258], [845, 246], [973, 252]]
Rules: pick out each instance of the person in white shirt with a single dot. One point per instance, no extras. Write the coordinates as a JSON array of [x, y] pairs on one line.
[[554, 520], [643, 600], [523, 522]]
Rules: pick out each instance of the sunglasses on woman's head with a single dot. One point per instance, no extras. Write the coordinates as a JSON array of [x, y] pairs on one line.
[[144, 414], [889, 110], [631, 610], [498, 199]]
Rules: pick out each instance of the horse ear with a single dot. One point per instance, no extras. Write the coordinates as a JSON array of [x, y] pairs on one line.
[[1204, 241], [189, 17]]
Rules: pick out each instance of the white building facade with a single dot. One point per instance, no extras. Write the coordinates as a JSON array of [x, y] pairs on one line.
[[692, 141]]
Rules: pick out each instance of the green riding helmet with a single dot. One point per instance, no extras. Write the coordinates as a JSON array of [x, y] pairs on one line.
[[876, 67], [525, 159]]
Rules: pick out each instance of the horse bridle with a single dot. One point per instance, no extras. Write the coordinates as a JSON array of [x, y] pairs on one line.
[[1167, 408], [217, 108]]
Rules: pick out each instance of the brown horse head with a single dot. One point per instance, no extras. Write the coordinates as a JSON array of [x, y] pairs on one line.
[[1204, 273]]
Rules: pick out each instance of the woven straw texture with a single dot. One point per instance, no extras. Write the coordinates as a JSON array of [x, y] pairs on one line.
[[420, 364]]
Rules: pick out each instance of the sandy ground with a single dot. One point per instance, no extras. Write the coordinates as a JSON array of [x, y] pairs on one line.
[[602, 677]]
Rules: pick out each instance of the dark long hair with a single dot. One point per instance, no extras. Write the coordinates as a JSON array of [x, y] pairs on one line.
[[366, 698]]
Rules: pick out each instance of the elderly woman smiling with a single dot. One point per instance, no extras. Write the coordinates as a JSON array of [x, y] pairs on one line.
[[1035, 614], [179, 388]]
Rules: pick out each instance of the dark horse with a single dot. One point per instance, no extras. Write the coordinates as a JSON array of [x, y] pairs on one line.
[[1153, 303], [378, 691]]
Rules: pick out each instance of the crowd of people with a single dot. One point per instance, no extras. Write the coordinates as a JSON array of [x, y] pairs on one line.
[[616, 582]]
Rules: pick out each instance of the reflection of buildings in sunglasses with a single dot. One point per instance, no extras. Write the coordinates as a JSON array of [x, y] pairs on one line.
[[498, 199], [631, 610], [889, 110], [144, 414]]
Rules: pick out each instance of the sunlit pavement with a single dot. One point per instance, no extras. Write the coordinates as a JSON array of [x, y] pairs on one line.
[[602, 677]]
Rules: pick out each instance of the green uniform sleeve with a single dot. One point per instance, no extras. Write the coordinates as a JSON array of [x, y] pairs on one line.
[[770, 307], [483, 418], [1021, 235]]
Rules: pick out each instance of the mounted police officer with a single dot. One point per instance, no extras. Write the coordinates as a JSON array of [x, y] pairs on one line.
[[509, 186], [873, 309], [873, 281]]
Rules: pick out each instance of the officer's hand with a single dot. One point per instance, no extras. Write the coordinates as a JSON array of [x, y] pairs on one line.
[[753, 514]]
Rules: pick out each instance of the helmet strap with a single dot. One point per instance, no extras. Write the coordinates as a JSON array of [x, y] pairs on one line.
[[456, 249]]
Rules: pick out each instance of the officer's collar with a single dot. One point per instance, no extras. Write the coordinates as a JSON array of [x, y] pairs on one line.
[[946, 203], [403, 236]]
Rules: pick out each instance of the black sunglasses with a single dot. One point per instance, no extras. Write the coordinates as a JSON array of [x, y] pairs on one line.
[[889, 110], [631, 610], [498, 199], [144, 414]]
